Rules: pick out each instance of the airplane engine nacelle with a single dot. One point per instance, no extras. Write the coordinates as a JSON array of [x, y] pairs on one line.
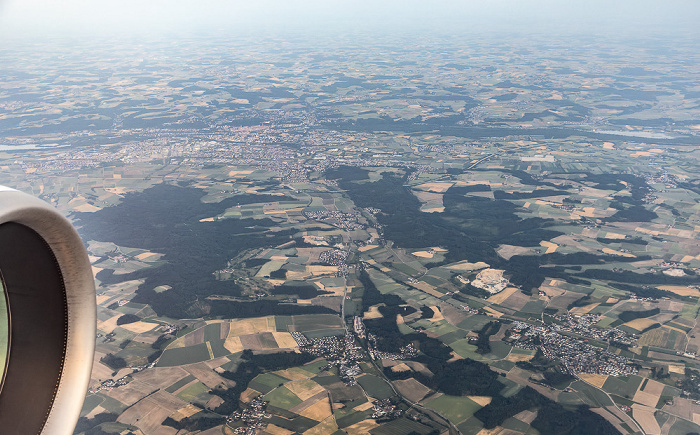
[[47, 318]]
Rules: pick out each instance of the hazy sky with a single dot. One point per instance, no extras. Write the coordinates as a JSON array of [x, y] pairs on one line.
[[45, 18]]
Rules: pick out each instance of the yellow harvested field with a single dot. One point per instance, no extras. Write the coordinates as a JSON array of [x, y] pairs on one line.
[[233, 344], [593, 379], [319, 411], [185, 412], [140, 327], [437, 315], [145, 256], [498, 298], [619, 253], [322, 270], [437, 187], [102, 298], [325, 427], [433, 210], [608, 146], [467, 266], [252, 326], [422, 254], [481, 400], [361, 428], [580, 311], [87, 208], [438, 249], [676, 369], [491, 312], [696, 418], [108, 325], [244, 172], [617, 236], [305, 388], [640, 324], [284, 340], [276, 430], [295, 374], [367, 248], [612, 301], [364, 407], [515, 357], [372, 313], [644, 415], [681, 290], [401, 367], [551, 247]]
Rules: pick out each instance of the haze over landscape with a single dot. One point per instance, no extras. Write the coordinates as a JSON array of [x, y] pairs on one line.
[[348, 218]]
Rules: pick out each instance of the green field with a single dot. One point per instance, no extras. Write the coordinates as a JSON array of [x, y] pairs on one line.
[[354, 417], [457, 409], [191, 392], [91, 402], [375, 387], [401, 426], [622, 388], [179, 384], [184, 355], [281, 397]]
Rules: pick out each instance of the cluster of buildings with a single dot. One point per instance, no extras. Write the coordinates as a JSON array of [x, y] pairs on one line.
[[301, 339], [107, 338], [251, 416], [405, 352], [334, 257], [109, 384], [583, 325], [385, 409], [466, 308], [359, 327], [341, 352], [346, 221], [289, 172], [576, 355], [663, 177]]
